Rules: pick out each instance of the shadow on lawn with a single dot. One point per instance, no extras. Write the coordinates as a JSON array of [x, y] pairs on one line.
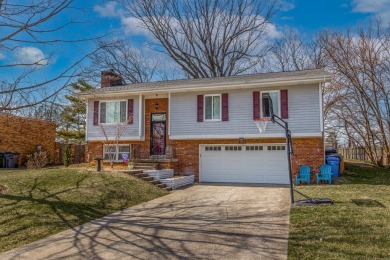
[[83, 212], [67, 211], [369, 203], [367, 175]]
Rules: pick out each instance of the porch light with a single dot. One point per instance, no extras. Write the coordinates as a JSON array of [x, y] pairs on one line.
[[156, 106]]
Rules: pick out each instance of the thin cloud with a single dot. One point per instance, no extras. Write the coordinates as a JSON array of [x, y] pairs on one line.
[[30, 56], [272, 32], [130, 25], [286, 5], [379, 8], [108, 10], [133, 26]]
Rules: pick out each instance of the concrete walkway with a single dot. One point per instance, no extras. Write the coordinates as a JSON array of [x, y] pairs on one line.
[[200, 222]]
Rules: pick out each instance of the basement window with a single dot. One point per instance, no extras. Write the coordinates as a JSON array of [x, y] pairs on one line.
[[116, 152]]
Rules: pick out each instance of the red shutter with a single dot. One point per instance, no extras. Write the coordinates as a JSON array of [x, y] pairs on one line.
[[130, 111], [256, 105], [225, 107], [200, 108], [95, 112], [284, 104]]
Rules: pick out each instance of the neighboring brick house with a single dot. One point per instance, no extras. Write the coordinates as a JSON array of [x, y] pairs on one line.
[[205, 126], [23, 135]]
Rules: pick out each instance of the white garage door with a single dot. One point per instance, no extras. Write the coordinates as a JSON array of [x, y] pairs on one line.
[[261, 163]]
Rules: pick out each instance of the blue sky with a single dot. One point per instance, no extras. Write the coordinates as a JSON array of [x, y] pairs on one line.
[[101, 17]]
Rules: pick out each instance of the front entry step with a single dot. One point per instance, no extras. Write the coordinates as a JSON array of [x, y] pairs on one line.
[[145, 166], [145, 177]]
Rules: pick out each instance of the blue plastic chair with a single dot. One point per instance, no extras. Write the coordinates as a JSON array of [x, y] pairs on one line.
[[325, 174], [304, 175]]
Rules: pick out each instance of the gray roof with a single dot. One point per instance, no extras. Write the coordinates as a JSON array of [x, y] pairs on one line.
[[319, 75]]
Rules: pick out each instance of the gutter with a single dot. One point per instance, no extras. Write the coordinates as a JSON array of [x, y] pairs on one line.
[[200, 87]]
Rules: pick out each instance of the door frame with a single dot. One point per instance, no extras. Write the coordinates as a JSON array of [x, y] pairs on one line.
[[151, 132]]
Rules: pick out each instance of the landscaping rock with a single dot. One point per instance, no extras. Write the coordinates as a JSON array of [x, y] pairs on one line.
[[3, 189]]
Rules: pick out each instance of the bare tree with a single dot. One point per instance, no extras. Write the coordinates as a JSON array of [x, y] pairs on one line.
[[207, 38], [26, 26], [360, 60], [291, 52], [125, 60], [110, 145]]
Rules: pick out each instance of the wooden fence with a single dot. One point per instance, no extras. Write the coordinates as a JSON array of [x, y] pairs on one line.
[[77, 153], [358, 153]]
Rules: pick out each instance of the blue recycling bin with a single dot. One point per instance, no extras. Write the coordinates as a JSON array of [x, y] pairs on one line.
[[334, 163]]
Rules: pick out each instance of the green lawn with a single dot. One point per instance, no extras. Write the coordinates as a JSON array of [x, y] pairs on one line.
[[357, 226], [45, 202]]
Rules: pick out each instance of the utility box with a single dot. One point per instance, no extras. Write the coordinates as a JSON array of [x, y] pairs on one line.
[[2, 160], [9, 160]]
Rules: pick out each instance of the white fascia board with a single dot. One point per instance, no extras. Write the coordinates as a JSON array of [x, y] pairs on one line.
[[169, 113], [86, 122], [140, 116], [203, 145], [321, 108], [123, 138], [254, 136], [197, 88]]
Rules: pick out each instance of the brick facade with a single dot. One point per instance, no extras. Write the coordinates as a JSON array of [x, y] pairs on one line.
[[110, 78], [149, 109], [22, 135], [309, 151]]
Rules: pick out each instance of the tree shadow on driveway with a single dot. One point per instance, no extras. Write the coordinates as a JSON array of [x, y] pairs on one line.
[[236, 224]]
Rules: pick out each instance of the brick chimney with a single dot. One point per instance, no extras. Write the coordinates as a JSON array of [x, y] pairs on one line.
[[110, 79]]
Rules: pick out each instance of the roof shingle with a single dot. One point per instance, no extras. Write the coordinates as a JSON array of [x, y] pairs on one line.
[[216, 81]]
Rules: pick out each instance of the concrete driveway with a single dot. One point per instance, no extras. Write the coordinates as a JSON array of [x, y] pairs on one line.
[[200, 222]]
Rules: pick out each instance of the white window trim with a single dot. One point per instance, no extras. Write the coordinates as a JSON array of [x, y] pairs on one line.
[[117, 152], [220, 107], [114, 100], [261, 102]]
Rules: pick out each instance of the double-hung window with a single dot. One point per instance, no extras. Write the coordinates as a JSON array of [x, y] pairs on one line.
[[266, 98], [212, 107], [113, 152], [112, 112]]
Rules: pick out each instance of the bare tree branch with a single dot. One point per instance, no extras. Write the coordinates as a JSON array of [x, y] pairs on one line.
[[124, 59], [360, 60], [207, 38], [24, 25]]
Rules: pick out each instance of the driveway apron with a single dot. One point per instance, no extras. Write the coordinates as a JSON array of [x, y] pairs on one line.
[[199, 222]]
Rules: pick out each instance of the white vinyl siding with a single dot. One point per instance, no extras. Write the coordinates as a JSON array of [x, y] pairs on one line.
[[303, 111], [130, 131]]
